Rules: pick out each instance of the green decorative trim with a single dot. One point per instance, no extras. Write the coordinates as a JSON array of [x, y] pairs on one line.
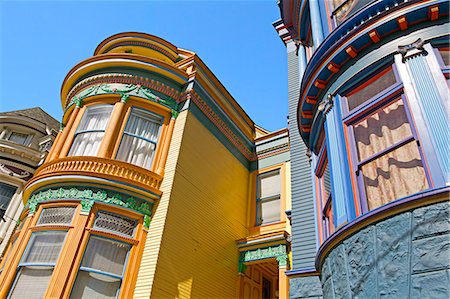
[[125, 91], [175, 113], [86, 205], [146, 221], [242, 268], [88, 197], [279, 252]]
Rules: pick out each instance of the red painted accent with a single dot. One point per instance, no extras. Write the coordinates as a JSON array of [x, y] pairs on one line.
[[351, 51], [333, 67], [402, 23], [374, 36], [306, 128], [433, 13], [320, 84], [311, 100], [307, 114]]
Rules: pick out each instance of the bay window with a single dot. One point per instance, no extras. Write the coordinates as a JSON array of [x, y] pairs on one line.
[[268, 197], [388, 161], [103, 265], [37, 263], [139, 138], [324, 195], [91, 130]]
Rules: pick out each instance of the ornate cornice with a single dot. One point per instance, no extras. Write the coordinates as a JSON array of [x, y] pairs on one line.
[[220, 124], [87, 199], [125, 86], [275, 150], [412, 50]]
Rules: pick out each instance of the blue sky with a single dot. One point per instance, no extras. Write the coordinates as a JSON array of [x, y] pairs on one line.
[[41, 41]]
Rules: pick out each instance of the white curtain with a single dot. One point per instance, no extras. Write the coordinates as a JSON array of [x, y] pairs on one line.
[[269, 184], [95, 286], [32, 282], [139, 139], [91, 130], [105, 255], [270, 211], [44, 247]]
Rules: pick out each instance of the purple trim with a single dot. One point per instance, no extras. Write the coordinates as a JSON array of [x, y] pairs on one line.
[[303, 272], [387, 207]]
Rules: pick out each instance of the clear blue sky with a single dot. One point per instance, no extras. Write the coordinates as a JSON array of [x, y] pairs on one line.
[[42, 41]]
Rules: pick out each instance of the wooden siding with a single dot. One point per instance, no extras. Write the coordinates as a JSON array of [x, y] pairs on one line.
[[149, 260], [303, 220], [205, 213]]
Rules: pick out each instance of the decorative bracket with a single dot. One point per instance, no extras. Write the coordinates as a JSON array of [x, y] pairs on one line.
[[326, 104], [412, 50]]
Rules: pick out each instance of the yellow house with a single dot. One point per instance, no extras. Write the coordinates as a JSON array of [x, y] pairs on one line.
[[159, 185]]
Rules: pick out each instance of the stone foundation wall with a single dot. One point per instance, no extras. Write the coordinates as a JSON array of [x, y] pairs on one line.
[[305, 288], [406, 256]]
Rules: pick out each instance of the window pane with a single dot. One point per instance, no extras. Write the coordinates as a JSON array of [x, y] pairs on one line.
[[269, 184], [116, 223], [44, 247], [31, 283], [59, 215], [381, 130], [373, 87], [326, 183], [18, 138], [139, 140], [347, 9], [136, 151], [86, 142], [397, 174], [6, 193], [95, 118], [270, 211], [105, 255], [93, 285]]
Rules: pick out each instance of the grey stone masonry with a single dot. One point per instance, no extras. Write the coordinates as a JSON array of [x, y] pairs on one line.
[[405, 256], [305, 288]]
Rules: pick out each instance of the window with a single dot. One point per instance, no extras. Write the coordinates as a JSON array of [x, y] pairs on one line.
[[268, 197], [326, 199], [343, 9], [102, 268], [19, 138], [388, 159], [91, 130], [139, 139], [6, 193], [370, 89], [37, 263], [56, 216]]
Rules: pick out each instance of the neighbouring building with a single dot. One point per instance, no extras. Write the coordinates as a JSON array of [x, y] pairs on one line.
[[26, 137], [369, 95], [158, 186]]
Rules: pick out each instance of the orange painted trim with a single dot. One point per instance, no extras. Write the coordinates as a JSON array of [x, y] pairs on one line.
[[165, 147], [307, 114], [306, 128], [311, 100], [402, 23], [70, 135], [374, 36], [351, 51], [111, 131], [433, 13], [320, 84], [333, 67], [64, 265], [62, 136]]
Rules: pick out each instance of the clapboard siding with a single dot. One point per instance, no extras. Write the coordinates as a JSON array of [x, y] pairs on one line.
[[203, 220], [303, 220]]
